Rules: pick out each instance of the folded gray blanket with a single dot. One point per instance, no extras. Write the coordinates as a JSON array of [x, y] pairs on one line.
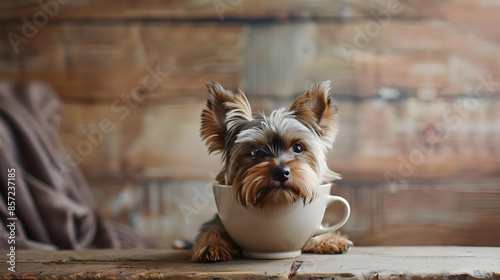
[[54, 208]]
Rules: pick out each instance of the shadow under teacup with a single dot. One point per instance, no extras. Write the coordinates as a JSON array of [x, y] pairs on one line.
[[275, 232]]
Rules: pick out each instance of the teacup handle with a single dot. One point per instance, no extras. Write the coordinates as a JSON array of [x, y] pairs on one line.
[[331, 199]]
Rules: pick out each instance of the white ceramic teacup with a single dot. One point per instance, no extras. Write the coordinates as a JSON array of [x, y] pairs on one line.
[[275, 232]]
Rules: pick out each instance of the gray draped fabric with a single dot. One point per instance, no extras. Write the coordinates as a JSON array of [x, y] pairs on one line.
[[54, 206]]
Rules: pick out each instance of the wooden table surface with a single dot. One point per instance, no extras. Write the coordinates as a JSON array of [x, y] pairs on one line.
[[358, 263]]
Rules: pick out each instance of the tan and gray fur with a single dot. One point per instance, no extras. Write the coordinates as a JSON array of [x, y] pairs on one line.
[[275, 159]]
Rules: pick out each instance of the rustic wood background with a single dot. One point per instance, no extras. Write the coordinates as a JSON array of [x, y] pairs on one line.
[[417, 84]]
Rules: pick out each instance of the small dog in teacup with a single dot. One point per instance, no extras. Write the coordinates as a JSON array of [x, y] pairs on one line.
[[275, 159]]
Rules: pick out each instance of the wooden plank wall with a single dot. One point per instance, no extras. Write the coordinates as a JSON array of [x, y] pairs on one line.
[[417, 84]]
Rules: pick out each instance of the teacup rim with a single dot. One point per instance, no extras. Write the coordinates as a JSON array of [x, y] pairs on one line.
[[230, 186]]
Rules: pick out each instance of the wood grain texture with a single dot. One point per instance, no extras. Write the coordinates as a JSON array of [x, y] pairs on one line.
[[459, 11], [426, 59], [146, 142], [161, 210], [100, 62], [359, 263], [104, 62], [225, 9], [444, 212]]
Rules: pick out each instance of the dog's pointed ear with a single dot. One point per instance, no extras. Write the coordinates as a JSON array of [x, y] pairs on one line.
[[224, 112], [315, 108]]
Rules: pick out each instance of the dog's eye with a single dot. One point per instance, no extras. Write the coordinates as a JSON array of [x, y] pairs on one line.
[[256, 153], [298, 149]]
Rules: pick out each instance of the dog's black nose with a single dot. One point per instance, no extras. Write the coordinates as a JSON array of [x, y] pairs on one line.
[[281, 173]]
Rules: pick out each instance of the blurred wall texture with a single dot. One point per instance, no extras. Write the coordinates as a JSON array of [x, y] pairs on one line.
[[417, 85]]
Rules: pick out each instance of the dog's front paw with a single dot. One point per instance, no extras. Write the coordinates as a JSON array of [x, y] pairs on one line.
[[330, 243], [212, 248], [210, 253]]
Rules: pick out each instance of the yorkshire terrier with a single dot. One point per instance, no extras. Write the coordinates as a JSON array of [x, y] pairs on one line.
[[276, 159]]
